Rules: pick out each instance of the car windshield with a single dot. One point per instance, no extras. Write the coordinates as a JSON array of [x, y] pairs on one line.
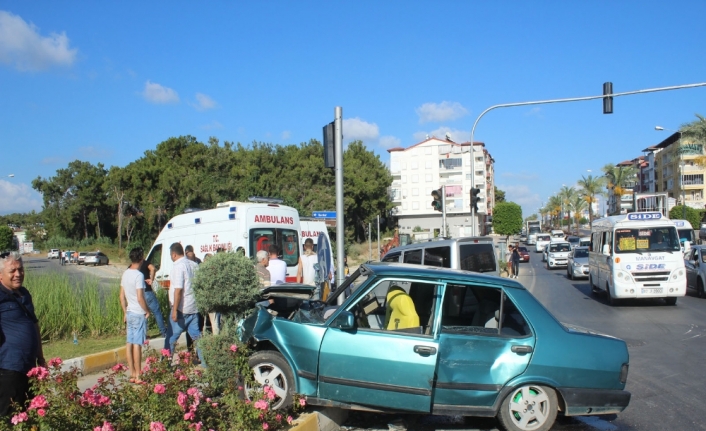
[[543, 238], [522, 249], [580, 253], [317, 312], [573, 239], [560, 247], [647, 239]]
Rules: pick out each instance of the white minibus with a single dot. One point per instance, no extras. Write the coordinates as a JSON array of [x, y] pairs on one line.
[[636, 255]]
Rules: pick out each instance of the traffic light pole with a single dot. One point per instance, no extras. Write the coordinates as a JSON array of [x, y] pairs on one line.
[[543, 102], [443, 211]]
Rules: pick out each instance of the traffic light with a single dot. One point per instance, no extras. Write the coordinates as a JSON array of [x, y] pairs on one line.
[[437, 202], [475, 198], [607, 101]]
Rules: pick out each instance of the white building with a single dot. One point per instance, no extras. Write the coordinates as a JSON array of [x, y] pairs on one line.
[[424, 167]]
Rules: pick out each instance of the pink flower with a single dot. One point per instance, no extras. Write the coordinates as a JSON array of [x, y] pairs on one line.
[[89, 397], [21, 417], [233, 348], [265, 425], [197, 426], [182, 398], [107, 426], [157, 426], [192, 391], [214, 404], [302, 402], [150, 360], [261, 404], [159, 389], [164, 352], [41, 412], [289, 419], [119, 367], [146, 343], [40, 373], [55, 362], [38, 402], [278, 417], [189, 416]]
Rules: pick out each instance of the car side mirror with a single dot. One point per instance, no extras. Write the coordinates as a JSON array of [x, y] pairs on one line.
[[345, 320]]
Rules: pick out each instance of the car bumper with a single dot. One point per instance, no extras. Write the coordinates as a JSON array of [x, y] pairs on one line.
[[557, 262], [579, 272], [580, 401]]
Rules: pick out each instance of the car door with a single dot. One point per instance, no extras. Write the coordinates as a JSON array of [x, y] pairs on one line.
[[380, 367], [605, 261], [692, 269], [476, 359]]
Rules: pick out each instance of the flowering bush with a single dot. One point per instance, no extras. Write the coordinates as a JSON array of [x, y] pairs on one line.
[[172, 397]]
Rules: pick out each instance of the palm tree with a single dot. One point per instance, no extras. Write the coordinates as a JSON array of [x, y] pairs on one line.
[[617, 178], [554, 206], [590, 187], [578, 204], [567, 194]]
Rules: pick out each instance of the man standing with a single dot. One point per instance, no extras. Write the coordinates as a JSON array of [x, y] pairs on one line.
[[307, 273], [20, 342], [61, 257], [148, 270], [189, 252], [516, 260], [263, 259], [276, 267], [185, 315], [135, 311]]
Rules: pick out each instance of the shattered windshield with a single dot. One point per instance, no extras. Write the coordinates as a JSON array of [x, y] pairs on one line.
[[317, 312]]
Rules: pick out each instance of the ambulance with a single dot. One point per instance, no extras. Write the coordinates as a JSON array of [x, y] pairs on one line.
[[312, 228], [245, 227], [636, 255]]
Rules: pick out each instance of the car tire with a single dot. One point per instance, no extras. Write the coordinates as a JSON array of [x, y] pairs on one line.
[[569, 275], [519, 409], [611, 299], [270, 368], [671, 300], [699, 288], [594, 289]]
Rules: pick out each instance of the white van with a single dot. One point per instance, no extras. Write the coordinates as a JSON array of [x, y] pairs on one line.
[[636, 255], [686, 234], [240, 226], [542, 240], [311, 228]]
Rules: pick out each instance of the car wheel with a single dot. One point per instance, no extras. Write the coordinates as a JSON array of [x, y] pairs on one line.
[[270, 368], [700, 288], [611, 299], [529, 407], [672, 300], [569, 275]]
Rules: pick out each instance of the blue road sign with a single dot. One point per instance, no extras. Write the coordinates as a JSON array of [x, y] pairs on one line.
[[324, 214]]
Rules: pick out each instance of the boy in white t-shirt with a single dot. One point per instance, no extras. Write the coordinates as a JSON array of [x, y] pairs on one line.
[[135, 312]]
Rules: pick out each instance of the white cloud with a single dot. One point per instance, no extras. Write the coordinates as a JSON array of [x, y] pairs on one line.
[[389, 142], [53, 160], [458, 136], [534, 112], [439, 112], [286, 135], [156, 93], [522, 195], [22, 46], [204, 102], [18, 198], [357, 129], [523, 176]]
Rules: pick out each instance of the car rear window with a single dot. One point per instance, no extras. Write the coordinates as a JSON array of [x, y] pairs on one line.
[[477, 257]]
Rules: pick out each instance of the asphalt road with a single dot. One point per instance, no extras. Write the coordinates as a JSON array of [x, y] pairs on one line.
[[107, 275], [667, 345]]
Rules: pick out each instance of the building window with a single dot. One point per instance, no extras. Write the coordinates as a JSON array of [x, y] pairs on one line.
[[428, 178], [427, 191], [427, 151], [693, 180], [404, 206], [427, 164], [404, 179], [415, 192], [415, 165], [404, 165], [415, 205], [395, 166], [415, 178], [450, 163]]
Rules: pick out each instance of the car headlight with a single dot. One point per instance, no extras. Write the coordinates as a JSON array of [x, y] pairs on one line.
[[551, 255], [578, 265]]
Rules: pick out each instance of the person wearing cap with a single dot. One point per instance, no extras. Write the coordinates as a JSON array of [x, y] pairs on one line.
[[307, 273]]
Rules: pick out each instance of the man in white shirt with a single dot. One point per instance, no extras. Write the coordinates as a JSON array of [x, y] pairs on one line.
[[184, 315], [307, 273], [277, 267], [135, 312]]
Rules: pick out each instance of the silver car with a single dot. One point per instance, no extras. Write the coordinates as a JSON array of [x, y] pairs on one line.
[[95, 258], [578, 263]]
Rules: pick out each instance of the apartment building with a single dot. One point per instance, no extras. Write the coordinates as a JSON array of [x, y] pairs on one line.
[[678, 167], [428, 165]]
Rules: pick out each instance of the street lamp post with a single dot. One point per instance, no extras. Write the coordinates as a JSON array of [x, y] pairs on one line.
[[681, 170]]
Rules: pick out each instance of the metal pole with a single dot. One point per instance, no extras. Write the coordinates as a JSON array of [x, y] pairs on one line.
[[570, 99], [370, 242], [378, 238], [340, 246], [683, 192], [443, 211]]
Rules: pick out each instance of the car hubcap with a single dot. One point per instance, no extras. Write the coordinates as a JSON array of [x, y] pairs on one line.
[[529, 407], [272, 376]]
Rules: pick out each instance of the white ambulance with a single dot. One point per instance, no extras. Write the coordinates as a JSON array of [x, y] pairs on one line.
[[636, 255], [312, 228], [240, 226]]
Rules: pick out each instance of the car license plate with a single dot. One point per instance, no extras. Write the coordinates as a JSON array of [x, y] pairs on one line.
[[651, 290]]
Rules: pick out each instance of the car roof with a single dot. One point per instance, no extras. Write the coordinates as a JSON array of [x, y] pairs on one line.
[[433, 272], [436, 242]]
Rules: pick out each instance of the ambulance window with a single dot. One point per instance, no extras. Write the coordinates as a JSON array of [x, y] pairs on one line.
[[286, 239], [155, 257], [290, 246]]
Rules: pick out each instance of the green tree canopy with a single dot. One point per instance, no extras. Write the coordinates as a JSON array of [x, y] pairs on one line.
[[499, 195], [507, 218], [693, 216], [6, 234]]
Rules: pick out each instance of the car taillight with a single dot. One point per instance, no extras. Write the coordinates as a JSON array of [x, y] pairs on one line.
[[624, 373]]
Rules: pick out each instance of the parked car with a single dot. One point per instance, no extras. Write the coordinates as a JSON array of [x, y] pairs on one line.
[[702, 233], [577, 265], [419, 339], [468, 253], [81, 257], [95, 258], [53, 253], [524, 254], [695, 264], [557, 254]]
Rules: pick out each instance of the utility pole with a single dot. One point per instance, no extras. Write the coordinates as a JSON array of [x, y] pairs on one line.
[[340, 246], [443, 211], [378, 239]]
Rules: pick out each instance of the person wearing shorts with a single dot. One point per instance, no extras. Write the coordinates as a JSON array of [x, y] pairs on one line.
[[135, 311]]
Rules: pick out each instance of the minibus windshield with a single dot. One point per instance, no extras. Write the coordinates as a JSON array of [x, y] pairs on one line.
[[647, 239]]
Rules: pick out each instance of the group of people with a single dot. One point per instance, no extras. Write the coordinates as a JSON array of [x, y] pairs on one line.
[[273, 270], [66, 257], [513, 261], [138, 300]]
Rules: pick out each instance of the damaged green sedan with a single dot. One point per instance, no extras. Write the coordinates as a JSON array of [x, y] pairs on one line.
[[415, 339]]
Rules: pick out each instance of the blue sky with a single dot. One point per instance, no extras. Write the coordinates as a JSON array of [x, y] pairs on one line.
[[107, 81]]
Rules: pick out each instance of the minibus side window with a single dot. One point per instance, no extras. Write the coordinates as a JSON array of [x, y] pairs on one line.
[[438, 256], [413, 256]]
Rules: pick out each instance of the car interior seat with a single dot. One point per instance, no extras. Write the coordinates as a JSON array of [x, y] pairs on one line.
[[400, 313]]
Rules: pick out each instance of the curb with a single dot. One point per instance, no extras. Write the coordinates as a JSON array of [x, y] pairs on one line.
[[96, 362], [322, 419]]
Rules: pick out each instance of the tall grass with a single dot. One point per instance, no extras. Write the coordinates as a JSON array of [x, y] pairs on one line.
[[64, 306]]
